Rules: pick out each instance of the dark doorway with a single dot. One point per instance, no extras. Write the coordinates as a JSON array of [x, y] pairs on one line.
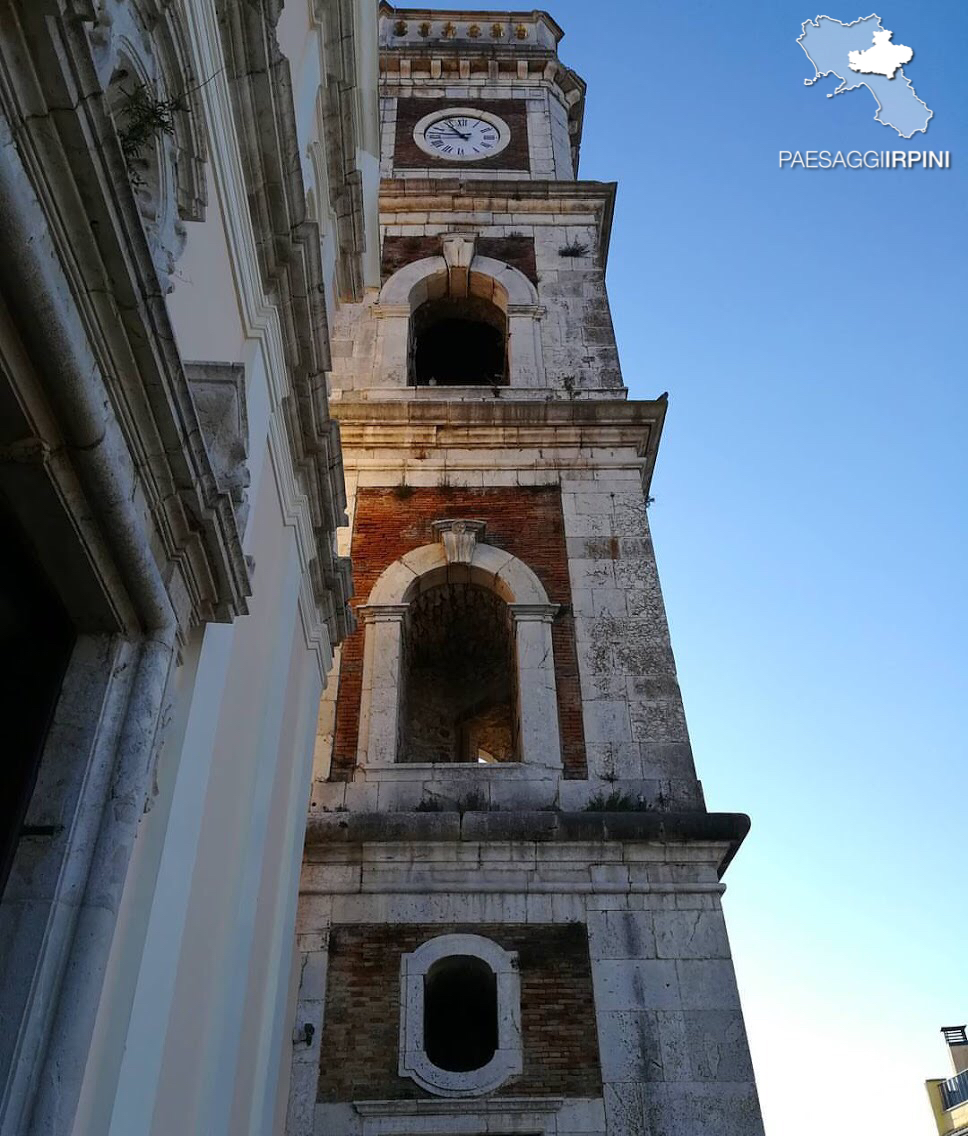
[[36, 639], [460, 1013], [459, 343]]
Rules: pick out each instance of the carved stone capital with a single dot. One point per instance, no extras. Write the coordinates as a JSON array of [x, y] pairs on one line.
[[382, 613], [533, 613]]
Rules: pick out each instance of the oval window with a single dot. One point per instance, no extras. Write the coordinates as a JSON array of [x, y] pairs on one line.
[[460, 1013]]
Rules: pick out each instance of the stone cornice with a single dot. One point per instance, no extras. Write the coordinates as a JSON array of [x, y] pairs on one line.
[[495, 189], [478, 15], [487, 195], [503, 424], [722, 832]]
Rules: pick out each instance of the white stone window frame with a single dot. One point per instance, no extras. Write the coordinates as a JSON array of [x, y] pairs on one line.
[[460, 272], [502, 128], [539, 736], [508, 1057]]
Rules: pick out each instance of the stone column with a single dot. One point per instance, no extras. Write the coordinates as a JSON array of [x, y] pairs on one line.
[[392, 344], [540, 737], [380, 697], [524, 346]]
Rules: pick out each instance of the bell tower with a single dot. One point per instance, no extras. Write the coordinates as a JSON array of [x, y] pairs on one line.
[[510, 914]]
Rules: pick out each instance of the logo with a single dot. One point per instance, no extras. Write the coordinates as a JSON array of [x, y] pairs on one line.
[[864, 56]]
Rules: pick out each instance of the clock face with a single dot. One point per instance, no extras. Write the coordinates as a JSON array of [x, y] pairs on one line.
[[462, 134]]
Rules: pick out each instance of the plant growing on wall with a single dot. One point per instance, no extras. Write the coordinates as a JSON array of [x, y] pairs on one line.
[[144, 117], [614, 802], [573, 249]]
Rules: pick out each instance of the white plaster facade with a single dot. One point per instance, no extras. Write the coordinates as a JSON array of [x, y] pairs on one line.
[[186, 514]]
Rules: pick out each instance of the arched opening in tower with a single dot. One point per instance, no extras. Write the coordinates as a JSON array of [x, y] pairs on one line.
[[460, 1013], [458, 342], [459, 677]]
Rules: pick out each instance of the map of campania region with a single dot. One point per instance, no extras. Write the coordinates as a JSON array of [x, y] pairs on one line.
[[863, 54]]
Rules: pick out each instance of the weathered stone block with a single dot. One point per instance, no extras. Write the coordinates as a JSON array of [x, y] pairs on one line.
[[636, 984], [691, 935], [622, 935], [707, 985], [720, 1109], [629, 1046]]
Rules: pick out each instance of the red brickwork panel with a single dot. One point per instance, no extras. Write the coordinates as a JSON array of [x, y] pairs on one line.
[[516, 251], [408, 155], [359, 1051], [526, 522], [400, 251]]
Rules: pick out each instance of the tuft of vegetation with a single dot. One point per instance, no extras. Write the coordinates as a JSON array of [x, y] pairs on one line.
[[474, 802], [614, 802], [573, 249], [145, 118]]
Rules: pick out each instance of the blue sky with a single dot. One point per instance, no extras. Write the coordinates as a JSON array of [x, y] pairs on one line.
[[809, 513]]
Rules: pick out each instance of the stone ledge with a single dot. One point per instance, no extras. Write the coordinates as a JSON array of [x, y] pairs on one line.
[[729, 829], [511, 412]]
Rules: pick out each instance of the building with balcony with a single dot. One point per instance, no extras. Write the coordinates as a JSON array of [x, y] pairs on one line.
[[949, 1097]]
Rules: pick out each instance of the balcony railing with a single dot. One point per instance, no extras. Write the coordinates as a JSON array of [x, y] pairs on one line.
[[954, 1091]]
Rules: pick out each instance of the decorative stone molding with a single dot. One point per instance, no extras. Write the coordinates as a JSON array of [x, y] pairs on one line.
[[459, 539], [530, 311], [144, 44], [291, 268], [414, 1060], [542, 613], [458, 252], [505, 285], [387, 613], [219, 393], [342, 108]]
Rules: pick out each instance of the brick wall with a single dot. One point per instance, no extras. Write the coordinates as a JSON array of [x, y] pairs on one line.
[[359, 1050], [516, 251], [526, 522], [408, 155]]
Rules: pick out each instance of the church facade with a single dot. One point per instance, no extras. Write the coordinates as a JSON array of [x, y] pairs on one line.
[[349, 785], [188, 192]]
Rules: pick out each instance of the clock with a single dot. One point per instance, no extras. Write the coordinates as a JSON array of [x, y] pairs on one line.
[[462, 134]]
